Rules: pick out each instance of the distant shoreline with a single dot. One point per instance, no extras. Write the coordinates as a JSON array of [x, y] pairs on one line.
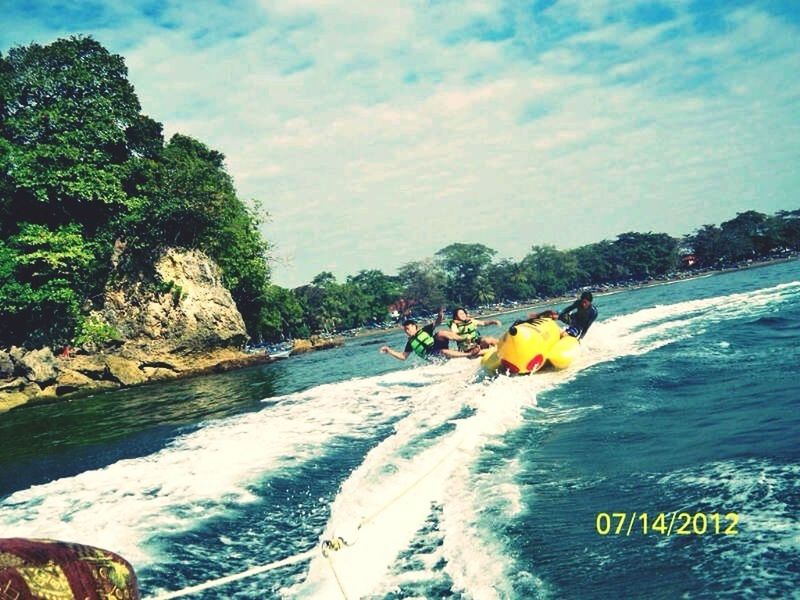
[[10, 399], [616, 289], [606, 291]]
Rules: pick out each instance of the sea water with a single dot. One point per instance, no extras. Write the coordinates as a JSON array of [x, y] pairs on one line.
[[683, 406]]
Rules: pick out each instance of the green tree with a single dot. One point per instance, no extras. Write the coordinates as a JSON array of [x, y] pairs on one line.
[[237, 246], [281, 316], [509, 280], [310, 298], [67, 113], [76, 152], [788, 225], [553, 271], [707, 245], [145, 137], [324, 280], [484, 291], [424, 284], [329, 305], [43, 280], [597, 263], [379, 291], [646, 255], [465, 265], [746, 235], [185, 198], [66, 108]]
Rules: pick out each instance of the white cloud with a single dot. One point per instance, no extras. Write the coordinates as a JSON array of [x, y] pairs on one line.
[[378, 133]]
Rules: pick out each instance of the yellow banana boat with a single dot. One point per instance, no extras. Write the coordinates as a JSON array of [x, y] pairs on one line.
[[526, 347]]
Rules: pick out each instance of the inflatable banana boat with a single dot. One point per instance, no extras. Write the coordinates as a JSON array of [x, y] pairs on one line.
[[526, 347]]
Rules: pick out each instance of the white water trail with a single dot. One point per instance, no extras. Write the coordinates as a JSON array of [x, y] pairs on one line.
[[442, 422], [199, 475], [388, 498]]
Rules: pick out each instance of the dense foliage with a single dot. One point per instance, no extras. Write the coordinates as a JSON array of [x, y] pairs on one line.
[[465, 274], [82, 171]]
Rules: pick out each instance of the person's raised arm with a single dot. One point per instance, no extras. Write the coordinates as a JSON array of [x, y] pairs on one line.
[[393, 353], [564, 314]]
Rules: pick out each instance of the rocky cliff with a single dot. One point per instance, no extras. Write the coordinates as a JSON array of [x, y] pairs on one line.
[[186, 324], [191, 313]]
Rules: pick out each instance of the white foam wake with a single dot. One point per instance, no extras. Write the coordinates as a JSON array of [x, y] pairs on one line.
[[388, 498], [427, 460], [124, 504]]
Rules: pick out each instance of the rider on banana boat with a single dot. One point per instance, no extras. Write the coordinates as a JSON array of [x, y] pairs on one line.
[[467, 327], [426, 343], [579, 316]]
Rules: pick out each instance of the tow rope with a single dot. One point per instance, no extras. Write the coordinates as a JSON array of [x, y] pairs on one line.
[[292, 560], [327, 547]]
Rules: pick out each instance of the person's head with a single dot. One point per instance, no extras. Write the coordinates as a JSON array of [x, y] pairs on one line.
[[586, 299], [410, 327], [460, 314]]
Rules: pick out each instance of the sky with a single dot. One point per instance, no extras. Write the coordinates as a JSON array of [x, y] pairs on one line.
[[377, 133]]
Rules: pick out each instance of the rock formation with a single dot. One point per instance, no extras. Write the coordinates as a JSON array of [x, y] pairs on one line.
[[185, 324], [195, 313], [315, 342]]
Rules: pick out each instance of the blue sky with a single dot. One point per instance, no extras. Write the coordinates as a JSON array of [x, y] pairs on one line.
[[376, 133]]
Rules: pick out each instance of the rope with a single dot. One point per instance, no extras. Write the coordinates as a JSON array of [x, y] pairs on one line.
[[336, 577], [422, 478], [297, 558], [333, 544], [336, 543]]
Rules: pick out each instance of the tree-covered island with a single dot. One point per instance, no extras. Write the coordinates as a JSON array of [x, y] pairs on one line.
[[106, 227]]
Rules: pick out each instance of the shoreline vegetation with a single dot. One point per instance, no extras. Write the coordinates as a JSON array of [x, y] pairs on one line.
[[126, 258], [600, 291], [107, 371]]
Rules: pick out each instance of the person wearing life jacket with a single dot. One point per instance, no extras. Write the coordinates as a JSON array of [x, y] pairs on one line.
[[579, 316], [425, 342], [467, 327]]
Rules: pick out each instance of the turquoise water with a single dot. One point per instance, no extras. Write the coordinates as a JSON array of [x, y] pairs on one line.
[[447, 483]]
